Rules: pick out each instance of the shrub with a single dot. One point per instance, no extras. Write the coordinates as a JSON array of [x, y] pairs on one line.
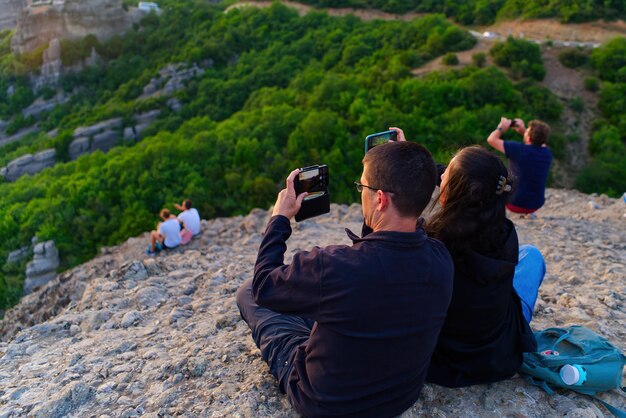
[[523, 57], [450, 59], [479, 59], [577, 104], [573, 57], [609, 60], [592, 84]]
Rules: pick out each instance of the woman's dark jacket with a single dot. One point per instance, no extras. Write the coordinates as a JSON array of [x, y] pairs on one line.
[[485, 333]]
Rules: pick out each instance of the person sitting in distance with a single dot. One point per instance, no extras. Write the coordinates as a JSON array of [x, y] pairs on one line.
[[348, 330], [167, 234], [529, 162], [189, 217]]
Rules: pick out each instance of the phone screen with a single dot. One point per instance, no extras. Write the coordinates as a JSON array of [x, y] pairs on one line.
[[380, 138], [308, 179]]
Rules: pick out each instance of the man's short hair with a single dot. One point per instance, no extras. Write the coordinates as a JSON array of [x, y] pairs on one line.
[[187, 204], [405, 169], [539, 132], [165, 213]]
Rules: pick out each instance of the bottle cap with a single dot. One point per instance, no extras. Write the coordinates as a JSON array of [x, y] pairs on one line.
[[572, 374]]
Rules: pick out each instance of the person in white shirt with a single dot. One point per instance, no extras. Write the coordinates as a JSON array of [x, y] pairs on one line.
[[189, 217], [167, 234]]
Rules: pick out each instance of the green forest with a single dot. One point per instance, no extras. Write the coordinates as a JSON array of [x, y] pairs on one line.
[[484, 12], [279, 91]]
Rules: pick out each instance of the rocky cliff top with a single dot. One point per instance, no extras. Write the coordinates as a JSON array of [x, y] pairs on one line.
[[39, 23], [9, 11], [129, 335]]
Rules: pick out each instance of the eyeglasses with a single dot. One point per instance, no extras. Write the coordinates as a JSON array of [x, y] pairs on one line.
[[359, 187]]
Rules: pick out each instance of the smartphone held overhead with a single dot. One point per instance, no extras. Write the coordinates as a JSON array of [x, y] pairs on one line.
[[380, 138]]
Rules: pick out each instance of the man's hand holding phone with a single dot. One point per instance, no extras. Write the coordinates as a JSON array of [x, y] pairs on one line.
[[399, 132], [287, 203]]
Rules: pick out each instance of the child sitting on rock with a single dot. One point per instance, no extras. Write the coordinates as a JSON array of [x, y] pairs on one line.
[[167, 234]]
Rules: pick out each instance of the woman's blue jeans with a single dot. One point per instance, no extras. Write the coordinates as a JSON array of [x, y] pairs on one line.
[[529, 273]]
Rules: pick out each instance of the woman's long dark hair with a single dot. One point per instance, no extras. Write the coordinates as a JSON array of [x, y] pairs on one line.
[[472, 214]]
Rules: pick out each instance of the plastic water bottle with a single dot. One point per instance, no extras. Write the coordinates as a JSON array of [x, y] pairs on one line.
[[573, 374]]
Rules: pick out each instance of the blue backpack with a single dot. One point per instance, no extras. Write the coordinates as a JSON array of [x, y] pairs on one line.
[[575, 358]]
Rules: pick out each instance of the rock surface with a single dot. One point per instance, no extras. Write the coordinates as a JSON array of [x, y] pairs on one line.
[[172, 78], [9, 11], [43, 21], [51, 68], [44, 266], [130, 335], [29, 164], [41, 105]]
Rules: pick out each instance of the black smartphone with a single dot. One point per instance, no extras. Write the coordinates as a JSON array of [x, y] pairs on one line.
[[513, 123], [313, 180], [380, 138]]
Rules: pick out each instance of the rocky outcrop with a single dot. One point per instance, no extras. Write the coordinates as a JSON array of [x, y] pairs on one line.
[[18, 255], [172, 78], [9, 11], [41, 22], [102, 136], [134, 335], [105, 135], [52, 67], [40, 105], [4, 140], [29, 164], [43, 267]]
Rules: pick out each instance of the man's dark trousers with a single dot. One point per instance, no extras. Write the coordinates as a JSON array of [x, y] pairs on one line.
[[277, 335]]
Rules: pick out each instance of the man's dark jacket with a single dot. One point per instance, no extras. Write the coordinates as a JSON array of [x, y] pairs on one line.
[[485, 333], [378, 305]]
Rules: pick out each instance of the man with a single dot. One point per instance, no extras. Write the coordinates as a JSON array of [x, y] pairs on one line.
[[189, 217], [349, 330], [167, 234], [529, 162]]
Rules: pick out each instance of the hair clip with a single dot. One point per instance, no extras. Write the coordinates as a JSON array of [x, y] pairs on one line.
[[502, 186]]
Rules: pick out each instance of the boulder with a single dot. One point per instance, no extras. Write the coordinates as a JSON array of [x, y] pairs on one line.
[[129, 134], [172, 77], [139, 130], [147, 117], [105, 141], [79, 146], [30, 164], [17, 136], [43, 267], [109, 124], [18, 255]]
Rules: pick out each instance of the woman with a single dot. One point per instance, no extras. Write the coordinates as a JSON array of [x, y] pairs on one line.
[[486, 330]]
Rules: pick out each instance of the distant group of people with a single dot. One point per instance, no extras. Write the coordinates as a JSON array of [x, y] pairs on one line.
[[175, 230], [357, 329]]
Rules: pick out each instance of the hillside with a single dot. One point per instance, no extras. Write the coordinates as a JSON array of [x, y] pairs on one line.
[[130, 335], [217, 105]]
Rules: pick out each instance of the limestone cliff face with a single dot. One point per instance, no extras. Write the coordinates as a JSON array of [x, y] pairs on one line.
[[9, 11], [39, 23]]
